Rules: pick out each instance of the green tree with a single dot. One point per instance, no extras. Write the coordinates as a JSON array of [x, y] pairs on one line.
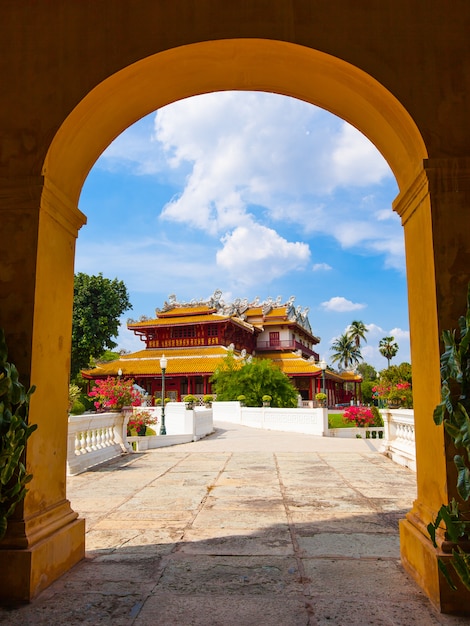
[[357, 332], [98, 303], [346, 353], [369, 380], [388, 348], [396, 374], [254, 379], [367, 371]]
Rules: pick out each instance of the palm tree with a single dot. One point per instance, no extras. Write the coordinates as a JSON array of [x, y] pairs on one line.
[[346, 352], [357, 331], [388, 348]]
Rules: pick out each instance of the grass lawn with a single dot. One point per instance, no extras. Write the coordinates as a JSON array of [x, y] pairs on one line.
[[335, 420]]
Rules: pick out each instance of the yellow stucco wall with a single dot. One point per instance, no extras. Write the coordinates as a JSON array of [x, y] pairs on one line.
[[78, 73]]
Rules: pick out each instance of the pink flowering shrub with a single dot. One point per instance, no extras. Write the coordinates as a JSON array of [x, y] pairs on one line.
[[114, 393], [360, 415]]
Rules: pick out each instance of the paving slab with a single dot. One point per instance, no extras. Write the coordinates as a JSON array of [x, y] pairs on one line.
[[242, 528]]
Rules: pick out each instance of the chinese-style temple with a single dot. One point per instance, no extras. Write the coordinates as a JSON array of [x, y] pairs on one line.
[[195, 337]]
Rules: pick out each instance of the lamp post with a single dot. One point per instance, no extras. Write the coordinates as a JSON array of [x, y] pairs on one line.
[[323, 368], [163, 364], [119, 373]]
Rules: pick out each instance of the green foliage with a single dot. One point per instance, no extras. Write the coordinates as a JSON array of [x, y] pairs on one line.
[[87, 402], [367, 391], [453, 411], [74, 394], [367, 372], [14, 432], [254, 379], [97, 306], [396, 374], [208, 398], [378, 419], [346, 352], [77, 408]]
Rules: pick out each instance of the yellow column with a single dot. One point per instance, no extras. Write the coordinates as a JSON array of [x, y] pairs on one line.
[[44, 537], [436, 220]]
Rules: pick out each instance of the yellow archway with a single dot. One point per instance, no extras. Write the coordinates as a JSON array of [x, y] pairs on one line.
[[241, 64], [149, 84]]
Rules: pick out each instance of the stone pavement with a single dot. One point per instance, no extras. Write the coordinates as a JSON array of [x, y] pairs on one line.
[[243, 528]]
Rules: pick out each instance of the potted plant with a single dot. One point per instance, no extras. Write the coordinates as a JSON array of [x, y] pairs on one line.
[[267, 400], [138, 422], [454, 413], [14, 432], [321, 398], [208, 399], [158, 401], [190, 401], [242, 399]]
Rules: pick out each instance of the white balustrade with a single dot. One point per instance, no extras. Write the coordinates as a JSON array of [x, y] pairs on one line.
[[94, 438], [400, 436]]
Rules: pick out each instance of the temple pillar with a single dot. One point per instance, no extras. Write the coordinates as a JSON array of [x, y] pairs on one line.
[[436, 219], [39, 227]]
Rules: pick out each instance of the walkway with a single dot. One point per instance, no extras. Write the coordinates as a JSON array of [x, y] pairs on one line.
[[244, 528]]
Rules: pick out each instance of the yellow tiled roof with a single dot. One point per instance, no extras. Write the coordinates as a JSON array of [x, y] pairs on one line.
[[147, 362], [351, 376], [190, 319], [291, 363], [183, 319], [279, 311], [194, 361]]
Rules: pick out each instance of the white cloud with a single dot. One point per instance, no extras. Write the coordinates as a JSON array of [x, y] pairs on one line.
[[237, 155], [127, 340], [258, 254], [400, 335], [321, 267], [355, 160], [339, 304]]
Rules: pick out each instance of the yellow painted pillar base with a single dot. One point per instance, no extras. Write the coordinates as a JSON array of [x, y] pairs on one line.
[[26, 572], [420, 559]]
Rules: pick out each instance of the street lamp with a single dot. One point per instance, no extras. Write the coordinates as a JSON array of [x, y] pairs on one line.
[[119, 373], [163, 364], [323, 368]]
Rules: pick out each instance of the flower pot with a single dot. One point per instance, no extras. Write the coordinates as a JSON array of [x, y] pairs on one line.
[[141, 430]]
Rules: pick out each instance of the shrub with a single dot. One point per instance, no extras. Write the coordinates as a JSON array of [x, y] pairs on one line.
[[190, 398], [114, 393], [378, 419], [267, 398], [362, 416], [77, 408], [208, 399]]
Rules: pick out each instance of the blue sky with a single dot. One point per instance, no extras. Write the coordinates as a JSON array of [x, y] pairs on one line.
[[254, 194]]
